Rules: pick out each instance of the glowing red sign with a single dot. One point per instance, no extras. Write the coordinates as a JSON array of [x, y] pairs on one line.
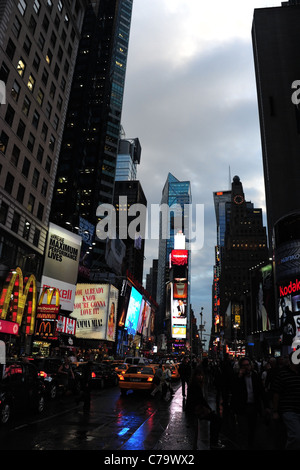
[[9, 327], [179, 257]]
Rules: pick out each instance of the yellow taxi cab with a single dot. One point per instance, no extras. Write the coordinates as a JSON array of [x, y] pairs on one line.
[[175, 371], [137, 377], [120, 368]]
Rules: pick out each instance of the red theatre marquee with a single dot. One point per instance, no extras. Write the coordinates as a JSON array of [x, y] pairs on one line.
[[179, 257]]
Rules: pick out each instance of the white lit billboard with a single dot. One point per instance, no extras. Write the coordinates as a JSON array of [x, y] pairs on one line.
[[60, 271], [95, 311]]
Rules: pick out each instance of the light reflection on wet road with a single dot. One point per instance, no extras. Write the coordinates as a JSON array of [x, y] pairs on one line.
[[134, 422]]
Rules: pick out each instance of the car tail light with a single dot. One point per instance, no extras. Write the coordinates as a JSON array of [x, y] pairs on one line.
[[121, 377], [149, 379], [93, 375], [42, 374]]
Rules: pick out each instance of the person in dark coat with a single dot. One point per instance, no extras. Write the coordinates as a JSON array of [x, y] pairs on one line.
[[184, 370], [247, 402], [86, 386], [198, 409]]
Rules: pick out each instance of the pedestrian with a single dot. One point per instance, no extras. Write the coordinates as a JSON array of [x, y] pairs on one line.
[[248, 398], [67, 375], [184, 370], [157, 380], [198, 409], [166, 382], [86, 385], [286, 402]]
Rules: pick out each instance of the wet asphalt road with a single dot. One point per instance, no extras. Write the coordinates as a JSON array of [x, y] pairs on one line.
[[113, 422]]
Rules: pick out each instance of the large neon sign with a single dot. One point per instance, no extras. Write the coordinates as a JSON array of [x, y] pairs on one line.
[[14, 298]]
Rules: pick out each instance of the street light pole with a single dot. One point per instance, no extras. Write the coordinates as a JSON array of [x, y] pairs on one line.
[[201, 326]]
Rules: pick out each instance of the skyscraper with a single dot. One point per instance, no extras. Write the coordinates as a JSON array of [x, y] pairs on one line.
[[174, 222], [87, 164], [275, 37], [38, 46], [245, 248]]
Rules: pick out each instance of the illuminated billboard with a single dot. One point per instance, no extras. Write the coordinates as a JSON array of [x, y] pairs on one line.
[[179, 318], [62, 255], [95, 311], [144, 317], [133, 311]]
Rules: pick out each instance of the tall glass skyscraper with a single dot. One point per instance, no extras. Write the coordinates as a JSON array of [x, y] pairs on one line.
[[87, 164], [176, 200]]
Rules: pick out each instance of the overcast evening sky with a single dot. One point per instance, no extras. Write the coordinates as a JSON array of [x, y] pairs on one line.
[[190, 98]]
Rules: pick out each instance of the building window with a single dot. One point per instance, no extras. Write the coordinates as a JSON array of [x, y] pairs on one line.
[[44, 132], [45, 23], [41, 41], [44, 187], [15, 222], [31, 83], [22, 5], [27, 45], [31, 202], [35, 178], [3, 212], [48, 164], [9, 115], [26, 167], [49, 56], [21, 67], [31, 142], [40, 154], [52, 142], [15, 91], [9, 183], [36, 237], [10, 49], [15, 155], [26, 106], [3, 142], [40, 97], [48, 110], [20, 194], [16, 27], [32, 25], [21, 129], [45, 76], [35, 119], [26, 230], [4, 72], [37, 6], [52, 90], [36, 62], [40, 211]]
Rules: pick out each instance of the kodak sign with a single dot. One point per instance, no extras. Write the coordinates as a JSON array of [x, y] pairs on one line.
[[15, 296], [291, 288]]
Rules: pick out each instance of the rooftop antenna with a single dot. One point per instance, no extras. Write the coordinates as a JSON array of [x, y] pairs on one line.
[[229, 178]]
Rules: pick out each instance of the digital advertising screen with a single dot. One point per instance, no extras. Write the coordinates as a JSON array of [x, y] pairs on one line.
[[133, 311]]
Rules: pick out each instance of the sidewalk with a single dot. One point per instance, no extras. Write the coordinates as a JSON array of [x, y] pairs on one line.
[[178, 435]]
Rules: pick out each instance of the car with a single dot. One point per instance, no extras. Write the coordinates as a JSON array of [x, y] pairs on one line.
[[120, 368], [20, 390], [48, 373], [136, 360], [102, 375], [137, 377]]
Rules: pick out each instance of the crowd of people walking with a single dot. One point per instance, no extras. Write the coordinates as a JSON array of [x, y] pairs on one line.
[[254, 402]]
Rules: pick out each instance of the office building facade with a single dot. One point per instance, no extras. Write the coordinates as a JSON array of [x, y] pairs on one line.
[[87, 164], [38, 46], [275, 37]]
